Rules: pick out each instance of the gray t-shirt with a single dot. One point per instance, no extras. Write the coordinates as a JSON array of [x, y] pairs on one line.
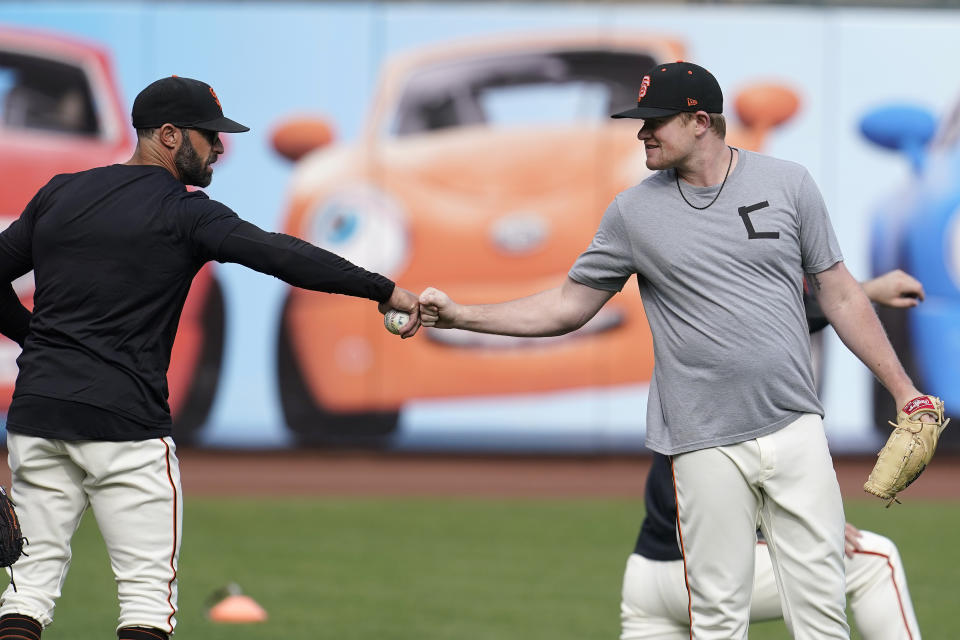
[[723, 292]]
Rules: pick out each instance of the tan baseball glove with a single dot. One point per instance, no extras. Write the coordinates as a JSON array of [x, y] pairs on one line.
[[908, 450]]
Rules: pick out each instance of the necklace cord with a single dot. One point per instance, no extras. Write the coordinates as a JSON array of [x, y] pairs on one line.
[[676, 177]]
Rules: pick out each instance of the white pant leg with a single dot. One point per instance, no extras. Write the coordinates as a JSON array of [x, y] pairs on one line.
[[876, 587], [877, 591], [46, 489], [803, 522], [654, 604], [765, 603], [717, 510], [134, 491]]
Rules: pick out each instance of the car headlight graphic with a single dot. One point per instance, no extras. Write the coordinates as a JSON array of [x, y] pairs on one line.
[[364, 225]]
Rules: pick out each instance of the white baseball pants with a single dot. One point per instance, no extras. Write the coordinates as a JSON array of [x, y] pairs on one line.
[[655, 602], [134, 491], [785, 482]]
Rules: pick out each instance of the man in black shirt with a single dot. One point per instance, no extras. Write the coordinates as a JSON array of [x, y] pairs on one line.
[[655, 600], [113, 251]]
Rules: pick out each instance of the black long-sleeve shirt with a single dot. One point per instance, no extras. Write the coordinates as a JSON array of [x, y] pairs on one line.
[[14, 317], [114, 250]]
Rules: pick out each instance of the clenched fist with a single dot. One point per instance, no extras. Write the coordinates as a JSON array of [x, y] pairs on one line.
[[437, 309]]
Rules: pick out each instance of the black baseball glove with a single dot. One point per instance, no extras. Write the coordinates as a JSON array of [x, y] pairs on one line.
[[11, 539]]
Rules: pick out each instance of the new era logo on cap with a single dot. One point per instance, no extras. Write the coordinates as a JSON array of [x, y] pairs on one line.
[[671, 88]]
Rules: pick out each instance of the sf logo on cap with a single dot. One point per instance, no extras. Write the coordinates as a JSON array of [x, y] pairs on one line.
[[214, 94], [643, 88]]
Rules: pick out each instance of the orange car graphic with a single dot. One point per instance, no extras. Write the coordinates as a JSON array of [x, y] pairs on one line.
[[61, 111], [483, 169]]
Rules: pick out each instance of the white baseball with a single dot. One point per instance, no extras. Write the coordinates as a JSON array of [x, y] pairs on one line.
[[395, 320]]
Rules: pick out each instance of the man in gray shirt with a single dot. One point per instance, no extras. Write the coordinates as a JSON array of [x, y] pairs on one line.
[[719, 238]]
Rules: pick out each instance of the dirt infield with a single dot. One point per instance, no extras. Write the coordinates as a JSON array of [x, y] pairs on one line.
[[324, 473], [365, 474]]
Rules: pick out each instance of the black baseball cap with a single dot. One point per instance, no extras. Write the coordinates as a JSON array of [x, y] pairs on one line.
[[183, 102], [670, 88]]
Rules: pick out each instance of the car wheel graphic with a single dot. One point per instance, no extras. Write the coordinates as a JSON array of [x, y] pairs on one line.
[[313, 425]]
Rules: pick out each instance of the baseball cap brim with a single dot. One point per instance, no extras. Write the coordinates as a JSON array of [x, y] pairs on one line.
[[643, 113], [222, 124]]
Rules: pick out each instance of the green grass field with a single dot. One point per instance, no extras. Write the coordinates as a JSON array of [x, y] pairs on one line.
[[438, 569]]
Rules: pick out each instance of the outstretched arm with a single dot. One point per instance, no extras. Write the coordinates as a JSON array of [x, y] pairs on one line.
[[848, 309], [310, 267], [549, 313]]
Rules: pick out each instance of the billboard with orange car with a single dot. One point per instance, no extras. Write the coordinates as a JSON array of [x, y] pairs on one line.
[[459, 145], [483, 169]]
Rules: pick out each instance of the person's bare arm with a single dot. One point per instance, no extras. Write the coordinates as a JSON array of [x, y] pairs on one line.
[[549, 313], [848, 309]]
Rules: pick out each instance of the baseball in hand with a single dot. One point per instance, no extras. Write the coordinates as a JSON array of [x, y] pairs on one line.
[[395, 320]]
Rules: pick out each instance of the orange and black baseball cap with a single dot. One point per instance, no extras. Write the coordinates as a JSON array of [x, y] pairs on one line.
[[670, 88], [183, 102]]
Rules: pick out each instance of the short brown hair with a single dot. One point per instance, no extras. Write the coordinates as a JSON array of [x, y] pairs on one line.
[[146, 132], [718, 124]]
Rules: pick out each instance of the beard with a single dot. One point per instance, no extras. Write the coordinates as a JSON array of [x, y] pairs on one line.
[[192, 169]]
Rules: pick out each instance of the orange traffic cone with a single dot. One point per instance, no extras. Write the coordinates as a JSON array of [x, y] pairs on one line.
[[235, 608]]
